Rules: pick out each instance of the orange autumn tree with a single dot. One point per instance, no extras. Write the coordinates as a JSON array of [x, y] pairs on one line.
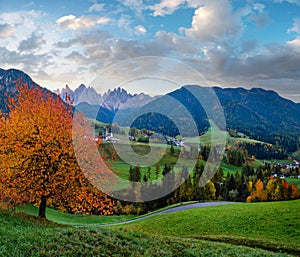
[[259, 194], [37, 159]]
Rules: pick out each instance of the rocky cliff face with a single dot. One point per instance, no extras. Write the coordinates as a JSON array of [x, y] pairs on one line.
[[112, 100]]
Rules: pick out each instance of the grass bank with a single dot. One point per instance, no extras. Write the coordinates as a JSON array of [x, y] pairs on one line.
[[274, 225], [24, 235]]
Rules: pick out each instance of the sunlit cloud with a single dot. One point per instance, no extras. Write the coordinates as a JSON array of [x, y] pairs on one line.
[[74, 23], [6, 30], [96, 8], [228, 41], [140, 29]]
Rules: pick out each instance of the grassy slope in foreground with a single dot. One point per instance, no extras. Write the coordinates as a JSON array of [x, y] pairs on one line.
[[25, 235], [272, 225]]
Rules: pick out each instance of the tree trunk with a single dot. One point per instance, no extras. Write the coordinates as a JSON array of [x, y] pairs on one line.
[[42, 207]]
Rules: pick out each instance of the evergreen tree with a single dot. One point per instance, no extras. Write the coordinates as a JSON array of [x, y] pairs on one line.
[[172, 150], [145, 178], [149, 173], [157, 169], [135, 174], [231, 185], [131, 174], [198, 191], [247, 170], [166, 169], [137, 171]]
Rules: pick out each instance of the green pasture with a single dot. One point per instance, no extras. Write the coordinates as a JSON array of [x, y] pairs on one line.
[[240, 229], [272, 225]]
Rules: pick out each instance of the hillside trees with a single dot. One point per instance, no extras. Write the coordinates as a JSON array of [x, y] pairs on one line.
[[259, 194], [237, 156], [135, 174], [37, 159]]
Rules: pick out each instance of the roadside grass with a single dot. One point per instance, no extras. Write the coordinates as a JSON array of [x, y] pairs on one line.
[[25, 235], [272, 226]]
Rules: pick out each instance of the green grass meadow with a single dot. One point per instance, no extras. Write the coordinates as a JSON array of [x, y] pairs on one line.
[[257, 229], [273, 225]]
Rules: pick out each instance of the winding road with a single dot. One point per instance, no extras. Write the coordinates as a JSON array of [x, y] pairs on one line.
[[175, 209]]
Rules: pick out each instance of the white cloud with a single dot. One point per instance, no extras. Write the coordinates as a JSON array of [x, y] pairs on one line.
[[177, 43], [166, 7], [259, 7], [140, 29], [296, 26], [96, 49], [6, 30], [77, 57], [34, 42], [295, 45], [275, 61], [215, 20], [212, 43], [295, 42], [28, 61], [136, 6], [20, 17], [74, 23], [20, 25], [96, 8], [125, 23]]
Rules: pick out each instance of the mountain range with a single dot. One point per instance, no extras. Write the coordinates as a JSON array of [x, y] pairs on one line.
[[261, 114], [112, 100]]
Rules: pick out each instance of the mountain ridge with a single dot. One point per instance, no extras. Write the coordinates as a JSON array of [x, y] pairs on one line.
[[8, 85], [112, 100], [259, 113]]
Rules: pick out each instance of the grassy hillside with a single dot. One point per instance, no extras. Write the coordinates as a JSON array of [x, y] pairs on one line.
[[273, 225], [25, 235], [70, 219]]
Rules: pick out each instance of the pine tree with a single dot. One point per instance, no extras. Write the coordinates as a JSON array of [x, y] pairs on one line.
[[145, 178], [157, 170]]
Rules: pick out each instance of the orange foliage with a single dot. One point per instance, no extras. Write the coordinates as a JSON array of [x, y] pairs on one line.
[[295, 192], [37, 159], [259, 194]]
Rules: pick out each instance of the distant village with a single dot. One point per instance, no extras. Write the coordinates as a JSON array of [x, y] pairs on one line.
[[286, 170]]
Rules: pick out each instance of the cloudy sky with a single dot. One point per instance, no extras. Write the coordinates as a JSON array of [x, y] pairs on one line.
[[231, 43]]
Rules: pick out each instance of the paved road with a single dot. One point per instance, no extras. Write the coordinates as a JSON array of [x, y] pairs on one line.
[[175, 209]]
